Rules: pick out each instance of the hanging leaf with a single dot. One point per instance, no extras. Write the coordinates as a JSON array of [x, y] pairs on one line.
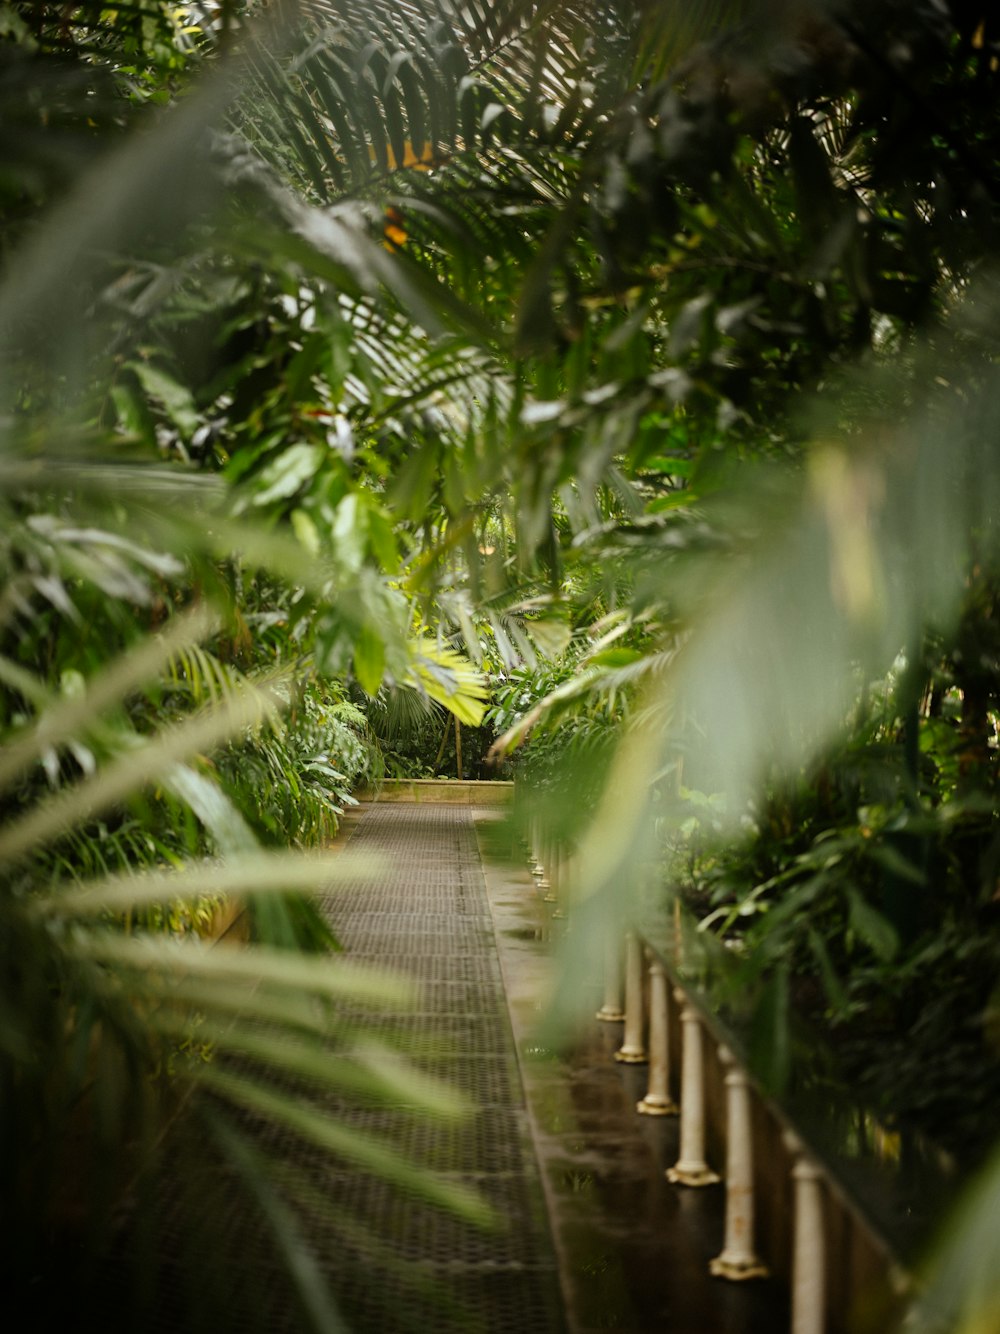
[[369, 659], [769, 1047], [874, 929], [451, 680]]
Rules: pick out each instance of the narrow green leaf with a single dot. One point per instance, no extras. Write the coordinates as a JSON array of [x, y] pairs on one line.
[[770, 1039], [301, 1262], [360, 1148], [328, 976], [253, 873], [133, 771], [832, 985]]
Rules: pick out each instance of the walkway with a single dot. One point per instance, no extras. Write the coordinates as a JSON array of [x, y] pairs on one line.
[[428, 917], [632, 1251], [591, 1237]]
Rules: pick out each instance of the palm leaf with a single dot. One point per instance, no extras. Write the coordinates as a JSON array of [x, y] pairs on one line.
[[449, 679]]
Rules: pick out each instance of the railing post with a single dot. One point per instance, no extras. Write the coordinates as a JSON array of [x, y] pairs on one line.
[[658, 1101], [611, 1011], [547, 881], [537, 869], [559, 879], [633, 1050], [738, 1259], [808, 1244], [691, 1169]]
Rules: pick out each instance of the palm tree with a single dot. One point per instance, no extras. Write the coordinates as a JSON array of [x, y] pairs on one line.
[[404, 276]]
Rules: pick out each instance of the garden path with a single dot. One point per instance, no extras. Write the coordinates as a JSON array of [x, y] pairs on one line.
[[427, 915], [593, 1238]]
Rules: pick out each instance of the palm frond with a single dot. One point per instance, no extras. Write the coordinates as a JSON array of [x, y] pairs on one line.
[[398, 711], [450, 680], [65, 719], [144, 763]]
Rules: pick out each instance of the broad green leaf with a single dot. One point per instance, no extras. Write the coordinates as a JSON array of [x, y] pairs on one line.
[[874, 929], [176, 398], [369, 658], [551, 634], [350, 531], [288, 473], [213, 808], [961, 1274], [306, 531], [615, 657], [769, 1048]]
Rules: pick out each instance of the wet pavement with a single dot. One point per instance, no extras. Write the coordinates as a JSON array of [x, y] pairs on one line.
[[633, 1250]]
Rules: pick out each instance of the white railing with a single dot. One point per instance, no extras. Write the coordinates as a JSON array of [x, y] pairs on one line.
[[786, 1214]]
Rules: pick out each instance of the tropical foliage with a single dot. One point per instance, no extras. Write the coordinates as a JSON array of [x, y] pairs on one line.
[[642, 357]]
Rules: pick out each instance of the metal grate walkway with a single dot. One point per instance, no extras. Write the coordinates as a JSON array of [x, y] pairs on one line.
[[427, 916], [632, 1252]]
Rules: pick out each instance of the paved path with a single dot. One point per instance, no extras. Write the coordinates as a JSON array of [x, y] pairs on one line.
[[554, 1143], [427, 916], [591, 1237], [230, 1229]]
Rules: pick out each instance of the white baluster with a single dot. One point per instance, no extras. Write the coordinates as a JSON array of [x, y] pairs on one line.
[[738, 1259], [611, 1011], [537, 870], [633, 1049], [691, 1169], [559, 878], [658, 1101], [547, 880], [808, 1245]]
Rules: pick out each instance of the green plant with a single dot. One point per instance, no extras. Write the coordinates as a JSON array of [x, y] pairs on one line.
[[690, 316]]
